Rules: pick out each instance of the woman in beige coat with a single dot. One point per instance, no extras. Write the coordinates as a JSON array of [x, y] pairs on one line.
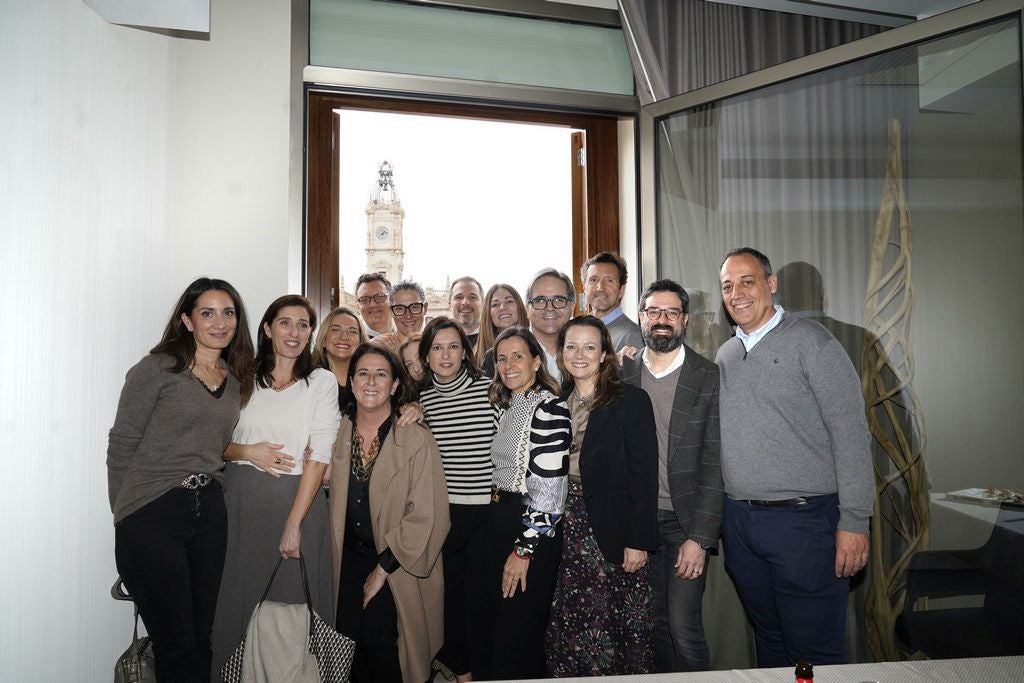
[[389, 519]]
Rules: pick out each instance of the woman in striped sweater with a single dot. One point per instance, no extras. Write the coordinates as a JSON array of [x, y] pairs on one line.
[[463, 420]]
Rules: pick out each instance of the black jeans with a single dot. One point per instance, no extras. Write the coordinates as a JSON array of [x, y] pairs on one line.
[[170, 554], [464, 596], [679, 642]]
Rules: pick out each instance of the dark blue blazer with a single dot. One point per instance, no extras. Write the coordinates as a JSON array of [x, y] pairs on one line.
[[619, 469]]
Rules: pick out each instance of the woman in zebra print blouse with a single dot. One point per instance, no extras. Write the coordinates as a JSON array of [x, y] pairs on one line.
[[530, 455]]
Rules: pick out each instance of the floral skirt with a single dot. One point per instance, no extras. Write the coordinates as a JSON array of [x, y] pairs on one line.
[[601, 616]]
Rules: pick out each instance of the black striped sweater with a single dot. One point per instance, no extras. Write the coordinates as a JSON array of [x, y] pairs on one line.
[[463, 421]]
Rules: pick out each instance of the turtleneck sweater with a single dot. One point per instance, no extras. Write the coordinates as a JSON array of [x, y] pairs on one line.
[[463, 421]]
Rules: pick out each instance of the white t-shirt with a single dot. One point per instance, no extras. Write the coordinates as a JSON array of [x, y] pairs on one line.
[[300, 415]]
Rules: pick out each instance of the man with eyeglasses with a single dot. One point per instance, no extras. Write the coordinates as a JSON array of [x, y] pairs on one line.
[[683, 387], [465, 301], [604, 283], [408, 311], [550, 303], [797, 467], [372, 297]]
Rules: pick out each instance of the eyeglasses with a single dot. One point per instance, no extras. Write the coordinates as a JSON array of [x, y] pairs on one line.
[[400, 309], [378, 298], [653, 313], [541, 302]]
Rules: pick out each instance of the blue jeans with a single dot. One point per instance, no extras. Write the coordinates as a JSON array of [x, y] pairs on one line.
[[679, 642], [170, 554], [783, 563]]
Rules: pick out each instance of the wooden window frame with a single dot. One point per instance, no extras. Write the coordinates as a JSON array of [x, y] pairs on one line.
[[321, 264]]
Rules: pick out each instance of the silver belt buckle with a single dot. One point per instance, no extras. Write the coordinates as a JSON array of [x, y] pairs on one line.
[[195, 481]]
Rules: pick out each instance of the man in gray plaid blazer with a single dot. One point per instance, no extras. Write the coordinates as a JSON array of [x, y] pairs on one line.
[[683, 387]]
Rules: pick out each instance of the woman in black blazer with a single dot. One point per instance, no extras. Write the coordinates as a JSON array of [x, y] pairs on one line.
[[601, 615]]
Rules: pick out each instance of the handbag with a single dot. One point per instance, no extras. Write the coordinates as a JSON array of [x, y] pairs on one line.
[[332, 650], [136, 665]]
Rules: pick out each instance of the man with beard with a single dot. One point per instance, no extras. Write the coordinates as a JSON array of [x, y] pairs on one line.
[[465, 303], [604, 282], [683, 387]]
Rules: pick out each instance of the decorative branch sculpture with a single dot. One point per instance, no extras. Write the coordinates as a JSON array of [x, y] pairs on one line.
[[900, 525]]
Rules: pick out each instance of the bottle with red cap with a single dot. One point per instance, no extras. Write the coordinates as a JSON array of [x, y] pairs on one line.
[[804, 673]]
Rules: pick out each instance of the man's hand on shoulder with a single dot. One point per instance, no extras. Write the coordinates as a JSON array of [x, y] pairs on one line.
[[851, 553]]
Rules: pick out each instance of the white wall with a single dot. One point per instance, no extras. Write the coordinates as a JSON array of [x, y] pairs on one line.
[[131, 163]]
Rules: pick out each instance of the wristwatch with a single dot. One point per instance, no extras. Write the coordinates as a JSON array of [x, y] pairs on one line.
[[523, 553]]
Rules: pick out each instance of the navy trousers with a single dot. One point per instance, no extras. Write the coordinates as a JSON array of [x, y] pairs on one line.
[[783, 563]]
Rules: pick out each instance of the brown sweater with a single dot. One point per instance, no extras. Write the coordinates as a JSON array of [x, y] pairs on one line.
[[167, 427]]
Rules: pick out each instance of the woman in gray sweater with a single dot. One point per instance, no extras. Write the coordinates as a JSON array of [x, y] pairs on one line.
[[165, 471]]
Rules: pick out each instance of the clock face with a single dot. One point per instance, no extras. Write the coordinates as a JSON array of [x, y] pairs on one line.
[[382, 233]]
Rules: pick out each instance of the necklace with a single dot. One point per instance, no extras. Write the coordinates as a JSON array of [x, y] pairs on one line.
[[284, 385], [210, 376], [583, 400], [360, 468]]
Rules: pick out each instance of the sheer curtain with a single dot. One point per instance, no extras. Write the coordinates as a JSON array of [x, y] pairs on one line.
[[681, 45]]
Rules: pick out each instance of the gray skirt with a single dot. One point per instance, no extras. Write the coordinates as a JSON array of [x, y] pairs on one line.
[[258, 505]]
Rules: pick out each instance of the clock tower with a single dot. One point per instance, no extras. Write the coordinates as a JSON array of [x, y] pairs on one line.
[[384, 216]]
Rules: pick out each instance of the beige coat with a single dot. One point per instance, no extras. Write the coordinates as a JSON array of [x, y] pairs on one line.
[[409, 509]]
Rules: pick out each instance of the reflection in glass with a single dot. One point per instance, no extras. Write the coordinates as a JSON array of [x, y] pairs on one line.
[[888, 194]]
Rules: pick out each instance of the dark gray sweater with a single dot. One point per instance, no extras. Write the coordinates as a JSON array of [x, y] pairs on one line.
[[167, 427], [793, 421]]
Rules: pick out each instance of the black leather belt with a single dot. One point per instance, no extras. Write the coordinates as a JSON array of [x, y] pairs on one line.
[[510, 497], [787, 503]]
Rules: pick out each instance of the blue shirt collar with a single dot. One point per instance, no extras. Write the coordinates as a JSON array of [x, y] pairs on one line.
[[612, 315], [749, 340]]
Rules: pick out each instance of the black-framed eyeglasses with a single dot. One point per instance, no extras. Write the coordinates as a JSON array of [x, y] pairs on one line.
[[653, 313], [400, 309], [378, 298], [541, 302]]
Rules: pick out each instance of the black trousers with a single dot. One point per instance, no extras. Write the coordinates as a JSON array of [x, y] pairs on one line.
[[374, 629], [516, 625], [170, 554], [463, 554]]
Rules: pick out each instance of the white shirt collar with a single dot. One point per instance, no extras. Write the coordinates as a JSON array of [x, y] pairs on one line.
[[676, 363]]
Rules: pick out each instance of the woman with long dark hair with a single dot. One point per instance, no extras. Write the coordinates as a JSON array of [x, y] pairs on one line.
[[165, 472], [463, 420], [271, 485], [530, 456], [389, 519], [601, 617]]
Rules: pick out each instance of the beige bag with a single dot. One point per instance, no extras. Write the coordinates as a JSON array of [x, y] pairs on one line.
[[289, 643]]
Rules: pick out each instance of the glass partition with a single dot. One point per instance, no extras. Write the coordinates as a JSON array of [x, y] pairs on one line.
[[887, 193]]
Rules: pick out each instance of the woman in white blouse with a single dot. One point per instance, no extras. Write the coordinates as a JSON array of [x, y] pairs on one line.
[[293, 412]]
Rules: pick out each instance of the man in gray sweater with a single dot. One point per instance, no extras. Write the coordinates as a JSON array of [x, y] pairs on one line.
[[796, 467]]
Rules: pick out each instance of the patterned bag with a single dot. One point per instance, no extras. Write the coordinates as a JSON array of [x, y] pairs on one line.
[[332, 650]]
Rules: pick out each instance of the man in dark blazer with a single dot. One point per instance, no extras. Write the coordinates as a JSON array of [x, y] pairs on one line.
[[683, 387]]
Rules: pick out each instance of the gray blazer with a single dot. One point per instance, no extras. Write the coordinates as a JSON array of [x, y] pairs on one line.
[[694, 447]]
